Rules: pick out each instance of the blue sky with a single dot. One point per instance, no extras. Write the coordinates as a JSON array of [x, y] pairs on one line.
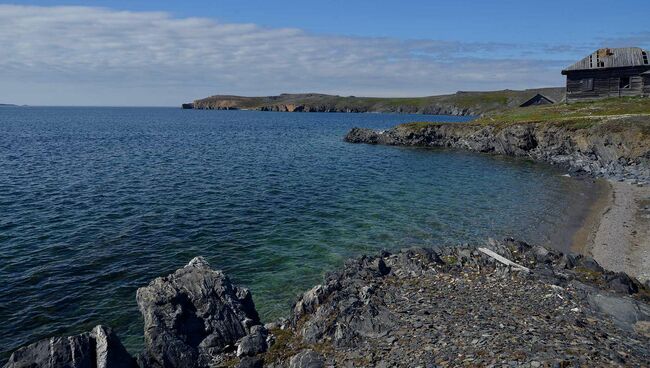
[[163, 52]]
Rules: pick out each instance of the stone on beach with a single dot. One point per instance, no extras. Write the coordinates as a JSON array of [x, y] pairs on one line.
[[99, 348]]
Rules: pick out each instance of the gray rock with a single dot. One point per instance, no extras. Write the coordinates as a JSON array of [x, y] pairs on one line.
[[542, 255], [622, 283], [193, 315], [251, 362], [567, 261], [254, 343], [307, 359], [625, 312], [99, 348], [589, 264]]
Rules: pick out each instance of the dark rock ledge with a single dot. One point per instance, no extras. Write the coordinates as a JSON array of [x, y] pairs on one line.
[[453, 306], [597, 151]]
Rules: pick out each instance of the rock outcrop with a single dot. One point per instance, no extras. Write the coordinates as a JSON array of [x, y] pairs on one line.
[[99, 348], [307, 359], [449, 306], [597, 151], [458, 306], [192, 316]]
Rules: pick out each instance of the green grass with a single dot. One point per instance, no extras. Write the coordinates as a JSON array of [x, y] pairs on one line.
[[419, 125], [615, 114], [587, 111]]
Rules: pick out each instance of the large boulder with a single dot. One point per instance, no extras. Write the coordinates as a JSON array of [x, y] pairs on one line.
[[254, 343], [99, 348], [307, 359], [192, 316]]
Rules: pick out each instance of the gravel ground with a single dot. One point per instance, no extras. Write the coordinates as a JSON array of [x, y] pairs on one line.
[[459, 307]]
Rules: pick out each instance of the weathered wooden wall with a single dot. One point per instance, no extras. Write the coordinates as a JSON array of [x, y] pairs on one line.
[[606, 83]]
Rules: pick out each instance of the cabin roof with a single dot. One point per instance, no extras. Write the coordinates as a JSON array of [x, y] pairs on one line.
[[612, 58], [537, 97]]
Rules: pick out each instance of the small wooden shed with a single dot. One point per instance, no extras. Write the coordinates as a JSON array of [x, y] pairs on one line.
[[538, 99], [609, 73]]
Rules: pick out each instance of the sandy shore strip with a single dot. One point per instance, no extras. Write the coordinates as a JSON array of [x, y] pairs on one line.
[[620, 239]]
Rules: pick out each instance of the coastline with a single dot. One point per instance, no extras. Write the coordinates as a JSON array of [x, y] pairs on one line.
[[460, 305], [584, 235], [615, 227]]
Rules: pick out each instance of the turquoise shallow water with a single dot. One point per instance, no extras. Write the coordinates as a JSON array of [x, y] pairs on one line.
[[96, 202]]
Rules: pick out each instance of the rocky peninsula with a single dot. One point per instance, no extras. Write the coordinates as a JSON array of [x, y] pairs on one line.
[[460, 103]]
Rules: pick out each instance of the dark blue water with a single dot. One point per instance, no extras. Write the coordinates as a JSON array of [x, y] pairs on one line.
[[96, 202]]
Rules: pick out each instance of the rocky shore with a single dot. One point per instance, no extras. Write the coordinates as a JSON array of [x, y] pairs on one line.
[[453, 306], [619, 151], [598, 150]]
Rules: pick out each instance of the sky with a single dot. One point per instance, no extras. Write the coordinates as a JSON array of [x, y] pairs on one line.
[[163, 53]]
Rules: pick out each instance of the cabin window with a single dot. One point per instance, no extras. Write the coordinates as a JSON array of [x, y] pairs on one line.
[[624, 83], [587, 84], [599, 63], [645, 57]]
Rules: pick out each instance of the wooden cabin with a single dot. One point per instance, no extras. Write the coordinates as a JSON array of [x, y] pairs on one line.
[[609, 73]]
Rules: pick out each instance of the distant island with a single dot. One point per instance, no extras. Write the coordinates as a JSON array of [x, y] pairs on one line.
[[460, 103], [7, 105]]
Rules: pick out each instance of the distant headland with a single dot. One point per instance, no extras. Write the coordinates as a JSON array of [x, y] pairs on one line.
[[460, 103]]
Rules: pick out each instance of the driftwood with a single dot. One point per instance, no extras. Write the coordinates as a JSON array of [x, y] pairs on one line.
[[503, 260]]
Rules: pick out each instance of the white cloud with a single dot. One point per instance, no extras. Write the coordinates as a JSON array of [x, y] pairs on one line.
[[85, 55]]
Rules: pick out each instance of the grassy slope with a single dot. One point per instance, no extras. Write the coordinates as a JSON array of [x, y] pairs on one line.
[[614, 113], [479, 102]]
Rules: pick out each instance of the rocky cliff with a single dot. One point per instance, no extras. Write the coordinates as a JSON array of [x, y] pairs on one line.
[[460, 103], [618, 148]]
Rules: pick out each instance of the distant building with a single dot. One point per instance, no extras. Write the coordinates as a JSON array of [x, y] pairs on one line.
[[538, 99], [609, 73]]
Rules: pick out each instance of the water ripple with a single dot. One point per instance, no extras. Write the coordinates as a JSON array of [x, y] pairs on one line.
[[96, 202]]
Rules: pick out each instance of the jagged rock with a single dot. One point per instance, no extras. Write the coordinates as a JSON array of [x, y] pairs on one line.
[[622, 283], [250, 362], [346, 312], [589, 264], [624, 311], [542, 255], [193, 315], [567, 261], [457, 306], [253, 343], [99, 348], [307, 359]]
